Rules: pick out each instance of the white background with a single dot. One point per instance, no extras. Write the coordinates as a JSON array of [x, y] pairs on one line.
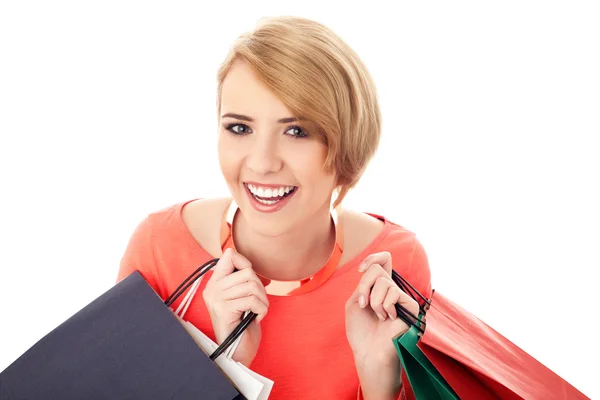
[[490, 150]]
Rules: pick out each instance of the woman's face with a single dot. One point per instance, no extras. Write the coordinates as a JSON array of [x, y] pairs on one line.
[[273, 166]]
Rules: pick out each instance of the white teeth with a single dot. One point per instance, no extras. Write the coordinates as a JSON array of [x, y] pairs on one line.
[[269, 192], [269, 202]]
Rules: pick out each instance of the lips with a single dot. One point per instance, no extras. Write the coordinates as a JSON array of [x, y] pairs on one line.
[[271, 192], [269, 198]]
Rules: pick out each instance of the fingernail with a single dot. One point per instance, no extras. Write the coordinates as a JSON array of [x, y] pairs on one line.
[[392, 317], [362, 302], [362, 267], [381, 317]]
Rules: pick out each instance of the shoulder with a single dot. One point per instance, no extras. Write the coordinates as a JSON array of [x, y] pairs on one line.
[[360, 230], [202, 218], [196, 216], [183, 223], [364, 229], [140, 251], [162, 244], [409, 257], [160, 224], [160, 232]]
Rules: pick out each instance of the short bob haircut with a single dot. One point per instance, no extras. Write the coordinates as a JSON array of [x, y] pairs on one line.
[[321, 80]]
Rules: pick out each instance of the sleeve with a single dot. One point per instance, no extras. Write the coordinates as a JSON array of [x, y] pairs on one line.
[[139, 256], [417, 272]]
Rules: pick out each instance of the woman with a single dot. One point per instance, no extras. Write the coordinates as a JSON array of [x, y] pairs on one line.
[[299, 121]]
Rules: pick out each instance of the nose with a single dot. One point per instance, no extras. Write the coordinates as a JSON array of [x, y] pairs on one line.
[[263, 155]]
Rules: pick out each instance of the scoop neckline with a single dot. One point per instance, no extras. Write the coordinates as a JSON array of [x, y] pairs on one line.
[[354, 261]]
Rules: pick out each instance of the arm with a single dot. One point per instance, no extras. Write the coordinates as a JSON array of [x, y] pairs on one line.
[[381, 382], [383, 379]]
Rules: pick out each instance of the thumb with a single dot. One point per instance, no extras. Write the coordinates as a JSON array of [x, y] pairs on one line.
[[353, 299], [239, 261], [224, 266]]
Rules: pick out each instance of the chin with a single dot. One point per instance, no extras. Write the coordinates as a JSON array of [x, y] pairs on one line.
[[268, 224]]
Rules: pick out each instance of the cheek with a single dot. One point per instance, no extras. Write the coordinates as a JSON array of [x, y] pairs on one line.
[[228, 160], [309, 164]]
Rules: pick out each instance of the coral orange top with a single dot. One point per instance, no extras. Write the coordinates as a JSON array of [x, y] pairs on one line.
[[304, 349]]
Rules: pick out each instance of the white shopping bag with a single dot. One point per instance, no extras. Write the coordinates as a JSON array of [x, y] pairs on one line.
[[250, 384]]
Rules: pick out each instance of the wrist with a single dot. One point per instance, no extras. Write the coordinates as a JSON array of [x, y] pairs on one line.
[[379, 380], [387, 359]]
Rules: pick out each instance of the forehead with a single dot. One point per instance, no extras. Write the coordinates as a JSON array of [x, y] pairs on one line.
[[243, 93]]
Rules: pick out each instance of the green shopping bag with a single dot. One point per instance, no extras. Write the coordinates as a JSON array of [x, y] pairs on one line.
[[425, 381]]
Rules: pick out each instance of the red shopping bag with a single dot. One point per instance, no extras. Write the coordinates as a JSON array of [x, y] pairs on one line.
[[406, 393], [479, 363]]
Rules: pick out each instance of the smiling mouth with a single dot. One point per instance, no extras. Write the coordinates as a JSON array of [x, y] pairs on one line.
[[270, 195]]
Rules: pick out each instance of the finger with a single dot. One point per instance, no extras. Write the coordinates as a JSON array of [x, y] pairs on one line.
[[224, 266], [239, 261], [250, 303], [410, 305], [384, 259], [352, 299], [392, 297], [367, 281], [246, 289], [237, 278], [378, 294], [229, 262]]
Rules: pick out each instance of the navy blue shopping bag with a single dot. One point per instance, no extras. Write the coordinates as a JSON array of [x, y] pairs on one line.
[[126, 344]]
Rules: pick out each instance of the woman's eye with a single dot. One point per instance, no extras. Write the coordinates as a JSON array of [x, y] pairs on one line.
[[296, 131], [239, 129]]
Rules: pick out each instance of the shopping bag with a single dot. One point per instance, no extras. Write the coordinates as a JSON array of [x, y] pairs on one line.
[[250, 384], [425, 381], [449, 353], [473, 358], [126, 344]]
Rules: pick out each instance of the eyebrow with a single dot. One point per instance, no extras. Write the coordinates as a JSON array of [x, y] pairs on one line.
[[246, 118]]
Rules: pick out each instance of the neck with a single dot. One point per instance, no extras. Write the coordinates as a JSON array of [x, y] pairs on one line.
[[299, 253]]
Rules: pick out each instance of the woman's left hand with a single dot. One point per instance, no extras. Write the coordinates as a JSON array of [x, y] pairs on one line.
[[372, 322]]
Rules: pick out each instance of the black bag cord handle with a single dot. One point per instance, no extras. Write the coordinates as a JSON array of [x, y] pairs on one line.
[[403, 313], [189, 281], [404, 285]]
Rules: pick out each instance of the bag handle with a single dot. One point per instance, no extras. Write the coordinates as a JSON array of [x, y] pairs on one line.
[[403, 283], [191, 280], [187, 300], [405, 315], [183, 307]]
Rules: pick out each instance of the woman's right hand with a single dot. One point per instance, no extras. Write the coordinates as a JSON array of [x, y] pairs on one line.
[[233, 289]]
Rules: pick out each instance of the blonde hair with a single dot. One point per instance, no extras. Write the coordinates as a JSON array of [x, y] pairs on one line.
[[320, 79]]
